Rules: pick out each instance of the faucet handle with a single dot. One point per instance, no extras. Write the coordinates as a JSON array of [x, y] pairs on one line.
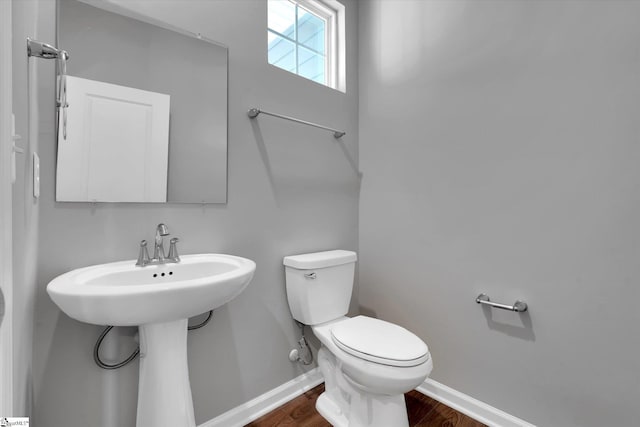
[[143, 255], [173, 251]]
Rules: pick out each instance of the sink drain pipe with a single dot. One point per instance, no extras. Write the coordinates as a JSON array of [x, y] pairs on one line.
[[96, 348]]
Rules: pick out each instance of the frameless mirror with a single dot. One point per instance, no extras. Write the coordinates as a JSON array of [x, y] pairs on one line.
[[147, 114]]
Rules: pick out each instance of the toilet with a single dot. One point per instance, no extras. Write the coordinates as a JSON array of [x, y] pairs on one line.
[[368, 364]]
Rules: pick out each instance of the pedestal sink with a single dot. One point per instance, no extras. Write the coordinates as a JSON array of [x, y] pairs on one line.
[[158, 299]]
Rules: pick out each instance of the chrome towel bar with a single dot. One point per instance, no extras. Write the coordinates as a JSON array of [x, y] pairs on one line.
[[253, 113], [518, 306]]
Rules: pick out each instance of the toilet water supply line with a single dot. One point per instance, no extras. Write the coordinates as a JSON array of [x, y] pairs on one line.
[[96, 348], [304, 353]]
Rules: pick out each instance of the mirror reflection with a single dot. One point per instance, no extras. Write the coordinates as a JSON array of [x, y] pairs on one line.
[[147, 115]]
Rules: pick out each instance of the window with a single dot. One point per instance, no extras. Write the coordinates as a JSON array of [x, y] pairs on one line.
[[303, 38]]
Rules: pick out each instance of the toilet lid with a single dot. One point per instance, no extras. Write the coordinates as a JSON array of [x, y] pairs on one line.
[[379, 341]]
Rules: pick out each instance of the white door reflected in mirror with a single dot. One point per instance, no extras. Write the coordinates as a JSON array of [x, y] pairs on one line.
[[116, 145]]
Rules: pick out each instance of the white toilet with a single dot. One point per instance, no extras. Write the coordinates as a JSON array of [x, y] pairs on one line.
[[368, 364]]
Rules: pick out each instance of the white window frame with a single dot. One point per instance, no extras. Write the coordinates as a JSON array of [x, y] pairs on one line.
[[333, 13]]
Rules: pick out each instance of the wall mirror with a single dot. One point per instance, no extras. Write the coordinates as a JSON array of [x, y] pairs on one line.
[[147, 114]]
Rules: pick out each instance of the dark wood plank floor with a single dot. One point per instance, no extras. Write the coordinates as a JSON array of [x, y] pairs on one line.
[[423, 412]]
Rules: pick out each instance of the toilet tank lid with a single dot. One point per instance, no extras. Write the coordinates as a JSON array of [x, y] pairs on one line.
[[320, 259]]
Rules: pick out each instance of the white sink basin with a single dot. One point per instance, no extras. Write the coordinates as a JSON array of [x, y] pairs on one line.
[[121, 294], [159, 299]]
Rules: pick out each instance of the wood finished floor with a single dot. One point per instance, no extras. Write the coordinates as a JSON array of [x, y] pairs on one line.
[[423, 412]]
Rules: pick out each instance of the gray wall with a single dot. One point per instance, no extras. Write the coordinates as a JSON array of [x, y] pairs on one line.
[[292, 189], [34, 123], [500, 154]]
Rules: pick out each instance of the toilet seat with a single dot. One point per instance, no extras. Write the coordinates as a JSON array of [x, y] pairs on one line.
[[380, 342]]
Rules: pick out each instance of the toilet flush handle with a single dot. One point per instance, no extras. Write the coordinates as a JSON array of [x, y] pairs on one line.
[[311, 276]]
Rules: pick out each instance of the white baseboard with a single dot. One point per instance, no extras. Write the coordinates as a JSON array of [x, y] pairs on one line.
[[267, 402], [474, 408]]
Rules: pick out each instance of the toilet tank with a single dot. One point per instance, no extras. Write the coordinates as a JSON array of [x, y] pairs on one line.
[[319, 285]]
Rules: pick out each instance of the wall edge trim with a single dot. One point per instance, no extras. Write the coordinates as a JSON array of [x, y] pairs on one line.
[[470, 406], [265, 403], [7, 401]]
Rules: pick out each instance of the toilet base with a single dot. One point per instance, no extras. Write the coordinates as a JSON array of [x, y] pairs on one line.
[[365, 411], [346, 404]]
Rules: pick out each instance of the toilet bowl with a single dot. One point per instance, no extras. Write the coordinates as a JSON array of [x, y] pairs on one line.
[[368, 364], [364, 387]]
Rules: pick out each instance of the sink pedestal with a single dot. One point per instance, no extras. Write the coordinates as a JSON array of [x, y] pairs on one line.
[[164, 392]]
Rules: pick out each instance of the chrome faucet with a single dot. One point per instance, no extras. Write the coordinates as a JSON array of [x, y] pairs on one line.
[[158, 249]]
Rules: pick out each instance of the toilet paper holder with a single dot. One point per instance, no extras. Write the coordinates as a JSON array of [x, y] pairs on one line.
[[518, 306]]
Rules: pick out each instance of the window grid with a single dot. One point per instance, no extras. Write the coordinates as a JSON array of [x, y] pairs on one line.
[[327, 80]]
